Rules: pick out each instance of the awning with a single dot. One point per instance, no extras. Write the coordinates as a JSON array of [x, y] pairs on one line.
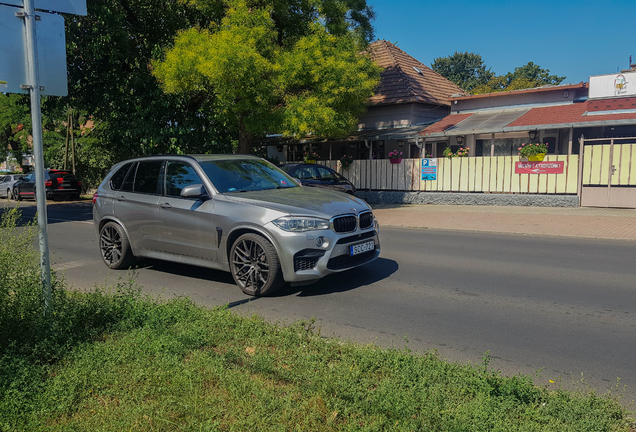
[[402, 133], [485, 122], [399, 133]]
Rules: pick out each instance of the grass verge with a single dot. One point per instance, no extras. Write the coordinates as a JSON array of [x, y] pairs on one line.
[[117, 360]]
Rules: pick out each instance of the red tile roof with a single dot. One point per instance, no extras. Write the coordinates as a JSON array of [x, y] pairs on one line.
[[554, 115], [573, 113], [401, 83], [445, 123]]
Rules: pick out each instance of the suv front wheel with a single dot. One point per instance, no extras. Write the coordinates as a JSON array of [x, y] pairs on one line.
[[115, 247], [255, 265]]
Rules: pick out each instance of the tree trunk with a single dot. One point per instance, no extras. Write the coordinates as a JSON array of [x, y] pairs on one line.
[[246, 140]]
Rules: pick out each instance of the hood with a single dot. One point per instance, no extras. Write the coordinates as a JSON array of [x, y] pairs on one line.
[[306, 201]]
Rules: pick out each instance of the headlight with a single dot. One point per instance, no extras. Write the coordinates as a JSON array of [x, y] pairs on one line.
[[299, 223]]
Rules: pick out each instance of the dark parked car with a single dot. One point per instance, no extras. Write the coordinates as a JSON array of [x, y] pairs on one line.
[[234, 213], [58, 183], [319, 176]]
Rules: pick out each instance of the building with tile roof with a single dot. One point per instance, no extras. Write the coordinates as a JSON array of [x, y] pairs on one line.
[[409, 96], [497, 123]]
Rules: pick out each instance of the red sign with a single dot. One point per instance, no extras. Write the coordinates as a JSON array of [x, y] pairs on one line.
[[539, 167]]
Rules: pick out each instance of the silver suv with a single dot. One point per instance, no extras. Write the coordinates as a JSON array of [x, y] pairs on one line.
[[234, 213]]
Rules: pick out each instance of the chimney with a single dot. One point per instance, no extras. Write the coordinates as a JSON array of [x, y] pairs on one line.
[[632, 66]]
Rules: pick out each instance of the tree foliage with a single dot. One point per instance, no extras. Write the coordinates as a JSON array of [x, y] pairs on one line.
[[527, 76], [466, 70], [109, 52], [293, 70]]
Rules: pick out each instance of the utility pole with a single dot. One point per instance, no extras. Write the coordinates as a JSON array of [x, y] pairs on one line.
[[33, 86]]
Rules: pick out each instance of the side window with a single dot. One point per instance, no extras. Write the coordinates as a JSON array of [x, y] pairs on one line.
[[127, 186], [147, 178], [178, 176], [117, 179], [325, 174]]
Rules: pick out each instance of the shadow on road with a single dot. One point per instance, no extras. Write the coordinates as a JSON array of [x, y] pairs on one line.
[[368, 274], [348, 280], [57, 211]]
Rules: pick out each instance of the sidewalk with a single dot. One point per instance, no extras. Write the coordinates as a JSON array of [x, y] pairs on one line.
[[599, 223]]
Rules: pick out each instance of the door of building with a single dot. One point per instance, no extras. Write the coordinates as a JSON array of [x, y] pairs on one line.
[[609, 173]]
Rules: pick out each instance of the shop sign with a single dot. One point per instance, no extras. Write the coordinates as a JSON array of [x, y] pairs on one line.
[[539, 167], [616, 85], [429, 169]]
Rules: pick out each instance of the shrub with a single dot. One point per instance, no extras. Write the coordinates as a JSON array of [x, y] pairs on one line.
[[532, 149], [345, 162]]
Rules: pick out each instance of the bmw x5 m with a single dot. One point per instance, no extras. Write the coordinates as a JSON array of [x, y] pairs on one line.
[[234, 213]]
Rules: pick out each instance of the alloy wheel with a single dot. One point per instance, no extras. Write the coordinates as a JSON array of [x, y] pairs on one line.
[[250, 264], [110, 243]]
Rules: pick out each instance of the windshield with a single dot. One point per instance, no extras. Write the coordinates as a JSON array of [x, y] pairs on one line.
[[242, 175]]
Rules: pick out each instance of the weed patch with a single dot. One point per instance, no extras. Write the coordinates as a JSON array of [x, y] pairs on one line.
[[112, 360]]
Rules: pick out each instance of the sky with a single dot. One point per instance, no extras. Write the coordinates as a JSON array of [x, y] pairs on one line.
[[575, 39]]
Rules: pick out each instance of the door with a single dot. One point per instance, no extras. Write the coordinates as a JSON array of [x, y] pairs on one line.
[[27, 186], [136, 205], [609, 174], [187, 224]]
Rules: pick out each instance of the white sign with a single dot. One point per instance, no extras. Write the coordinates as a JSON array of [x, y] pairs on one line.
[[616, 85], [51, 53], [76, 7]]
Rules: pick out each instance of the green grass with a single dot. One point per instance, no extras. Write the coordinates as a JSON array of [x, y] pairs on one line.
[[118, 361]]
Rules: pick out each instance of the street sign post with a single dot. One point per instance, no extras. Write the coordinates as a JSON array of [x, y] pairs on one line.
[[74, 7], [51, 56], [29, 63]]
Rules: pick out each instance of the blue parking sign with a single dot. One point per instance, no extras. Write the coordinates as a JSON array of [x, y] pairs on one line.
[[429, 169]]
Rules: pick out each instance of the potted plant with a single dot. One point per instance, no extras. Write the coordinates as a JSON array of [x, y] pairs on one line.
[[311, 157], [533, 151], [395, 156], [461, 152], [345, 162]]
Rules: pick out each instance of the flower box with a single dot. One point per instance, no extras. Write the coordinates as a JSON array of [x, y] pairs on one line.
[[536, 158], [395, 160], [310, 161]]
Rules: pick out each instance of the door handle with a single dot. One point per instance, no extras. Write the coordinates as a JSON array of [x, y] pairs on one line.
[[121, 198], [165, 206]]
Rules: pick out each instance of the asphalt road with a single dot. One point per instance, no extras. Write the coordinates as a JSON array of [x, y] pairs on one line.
[[564, 307]]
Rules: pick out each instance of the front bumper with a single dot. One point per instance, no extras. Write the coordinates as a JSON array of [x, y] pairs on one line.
[[309, 256]]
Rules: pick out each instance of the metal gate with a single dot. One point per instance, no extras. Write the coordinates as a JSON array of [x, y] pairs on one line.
[[608, 170]]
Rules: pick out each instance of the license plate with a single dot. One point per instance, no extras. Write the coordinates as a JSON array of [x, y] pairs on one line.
[[361, 248], [65, 185]]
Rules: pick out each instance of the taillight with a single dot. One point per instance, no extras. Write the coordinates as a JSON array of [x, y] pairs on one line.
[[48, 183], [95, 197], [79, 183]]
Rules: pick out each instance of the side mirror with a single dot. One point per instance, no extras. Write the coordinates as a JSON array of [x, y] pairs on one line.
[[194, 191]]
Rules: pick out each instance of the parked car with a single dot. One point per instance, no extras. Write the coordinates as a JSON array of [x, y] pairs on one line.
[[58, 183], [6, 184], [319, 176], [235, 213]]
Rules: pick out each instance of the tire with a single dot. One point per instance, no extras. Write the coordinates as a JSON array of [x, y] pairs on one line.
[[255, 265], [9, 194], [115, 247], [16, 194]]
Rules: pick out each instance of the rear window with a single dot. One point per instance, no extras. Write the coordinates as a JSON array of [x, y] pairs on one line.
[[147, 178], [64, 175], [118, 178]]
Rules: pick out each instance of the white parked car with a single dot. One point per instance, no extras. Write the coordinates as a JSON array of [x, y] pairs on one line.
[[6, 184]]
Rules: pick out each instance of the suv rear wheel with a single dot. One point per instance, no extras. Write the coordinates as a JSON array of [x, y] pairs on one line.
[[115, 247], [255, 265]]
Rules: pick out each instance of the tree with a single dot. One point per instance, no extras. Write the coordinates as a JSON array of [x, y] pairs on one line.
[[109, 53], [527, 76], [466, 70], [265, 71]]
